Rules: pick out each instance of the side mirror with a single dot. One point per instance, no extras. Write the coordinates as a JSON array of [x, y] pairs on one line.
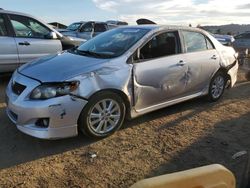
[[51, 35]]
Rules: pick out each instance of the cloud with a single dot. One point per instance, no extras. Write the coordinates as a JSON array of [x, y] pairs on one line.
[[106, 5], [179, 11], [245, 6]]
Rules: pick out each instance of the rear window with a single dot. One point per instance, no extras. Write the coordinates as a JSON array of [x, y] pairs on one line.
[[3, 31]]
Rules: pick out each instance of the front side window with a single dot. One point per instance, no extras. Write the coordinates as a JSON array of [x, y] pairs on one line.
[[88, 27], [161, 45], [28, 27], [195, 42], [112, 43], [3, 31], [74, 26]]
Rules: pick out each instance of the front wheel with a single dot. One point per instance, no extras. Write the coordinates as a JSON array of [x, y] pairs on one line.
[[217, 87], [103, 115]]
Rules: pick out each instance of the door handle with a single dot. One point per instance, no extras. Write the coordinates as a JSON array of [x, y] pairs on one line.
[[25, 43], [181, 63], [214, 57]]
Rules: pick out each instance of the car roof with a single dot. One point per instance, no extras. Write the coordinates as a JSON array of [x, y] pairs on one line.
[[14, 12], [163, 27], [88, 22], [28, 15]]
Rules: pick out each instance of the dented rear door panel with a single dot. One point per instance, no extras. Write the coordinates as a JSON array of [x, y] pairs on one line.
[[201, 67]]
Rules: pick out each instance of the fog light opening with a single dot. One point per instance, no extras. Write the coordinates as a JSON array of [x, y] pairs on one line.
[[43, 122]]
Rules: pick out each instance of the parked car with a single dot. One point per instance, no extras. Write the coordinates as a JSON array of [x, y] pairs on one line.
[[242, 45], [85, 30], [24, 38], [115, 75], [226, 40]]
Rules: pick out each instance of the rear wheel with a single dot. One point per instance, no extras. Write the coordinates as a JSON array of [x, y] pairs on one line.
[[103, 115], [217, 86]]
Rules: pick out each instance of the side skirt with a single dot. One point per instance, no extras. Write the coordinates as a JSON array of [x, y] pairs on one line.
[[136, 113]]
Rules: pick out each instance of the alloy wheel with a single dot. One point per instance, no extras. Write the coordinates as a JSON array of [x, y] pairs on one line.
[[104, 116], [217, 86]]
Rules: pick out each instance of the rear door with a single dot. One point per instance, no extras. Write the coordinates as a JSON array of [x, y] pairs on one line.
[[32, 39], [8, 49], [202, 61]]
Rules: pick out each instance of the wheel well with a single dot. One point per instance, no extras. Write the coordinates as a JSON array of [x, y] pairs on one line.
[[224, 71], [122, 95]]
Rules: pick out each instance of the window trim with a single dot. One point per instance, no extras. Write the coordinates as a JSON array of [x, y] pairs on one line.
[[131, 59], [14, 33], [208, 40], [205, 37], [7, 25]]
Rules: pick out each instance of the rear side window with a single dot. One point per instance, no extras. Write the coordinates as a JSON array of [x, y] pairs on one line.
[[100, 28], [28, 27], [195, 42], [3, 31]]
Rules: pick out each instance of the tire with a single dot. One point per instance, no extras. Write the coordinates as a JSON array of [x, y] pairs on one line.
[[217, 86], [101, 118]]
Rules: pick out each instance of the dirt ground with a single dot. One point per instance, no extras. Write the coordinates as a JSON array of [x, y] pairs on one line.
[[180, 137]]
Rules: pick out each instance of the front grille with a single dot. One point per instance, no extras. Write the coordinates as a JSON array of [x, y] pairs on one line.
[[18, 88]]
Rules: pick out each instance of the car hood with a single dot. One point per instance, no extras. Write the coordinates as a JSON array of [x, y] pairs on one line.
[[60, 67]]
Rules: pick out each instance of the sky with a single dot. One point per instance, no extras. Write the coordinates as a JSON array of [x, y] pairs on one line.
[[178, 12]]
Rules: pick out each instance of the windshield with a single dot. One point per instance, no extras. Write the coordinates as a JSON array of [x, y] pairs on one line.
[[243, 36], [74, 26], [113, 43]]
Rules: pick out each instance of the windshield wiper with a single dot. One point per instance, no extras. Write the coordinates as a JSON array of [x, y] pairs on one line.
[[94, 54]]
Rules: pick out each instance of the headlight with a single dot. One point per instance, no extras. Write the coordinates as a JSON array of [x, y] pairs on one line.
[[47, 91]]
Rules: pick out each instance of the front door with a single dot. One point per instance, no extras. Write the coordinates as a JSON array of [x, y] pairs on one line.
[[8, 49], [159, 74], [32, 38]]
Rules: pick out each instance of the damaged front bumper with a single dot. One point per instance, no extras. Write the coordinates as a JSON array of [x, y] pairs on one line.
[[232, 72], [46, 119]]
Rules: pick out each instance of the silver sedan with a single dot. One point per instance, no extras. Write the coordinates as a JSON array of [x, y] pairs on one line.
[[123, 73]]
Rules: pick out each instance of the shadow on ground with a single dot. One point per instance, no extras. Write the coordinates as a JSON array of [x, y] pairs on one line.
[[218, 146]]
